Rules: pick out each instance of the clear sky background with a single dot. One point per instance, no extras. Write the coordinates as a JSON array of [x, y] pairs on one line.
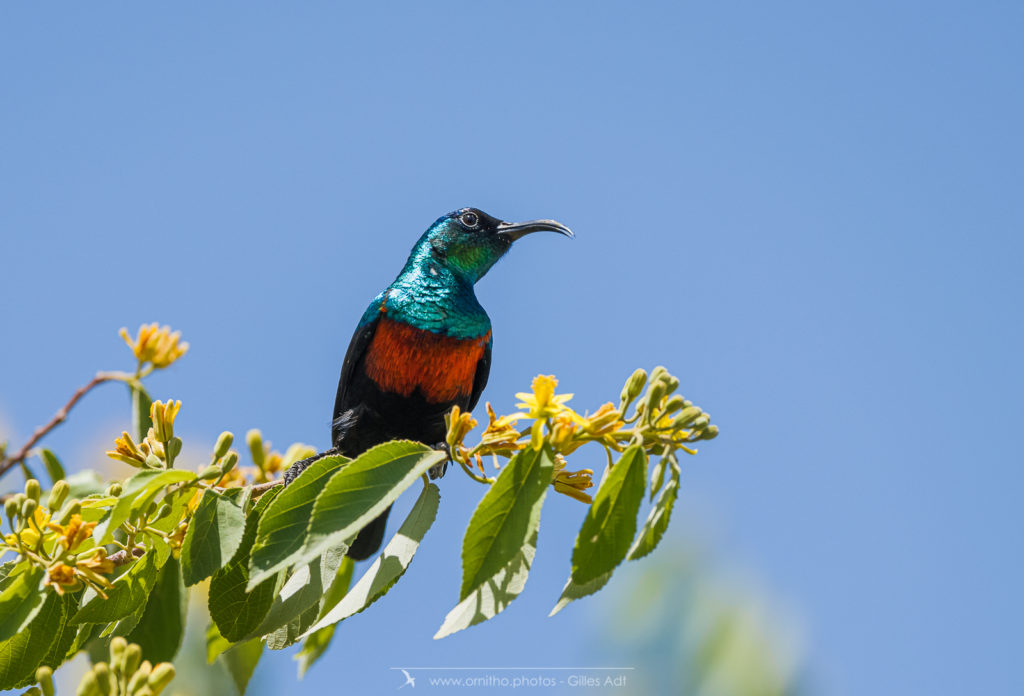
[[812, 212]]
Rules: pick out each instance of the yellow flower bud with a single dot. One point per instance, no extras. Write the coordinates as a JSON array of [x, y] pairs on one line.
[[223, 444], [161, 676], [103, 677], [132, 659], [33, 490], [11, 509], [58, 494], [210, 473], [634, 385], [254, 438], [686, 416], [28, 508], [229, 462], [44, 677], [118, 644]]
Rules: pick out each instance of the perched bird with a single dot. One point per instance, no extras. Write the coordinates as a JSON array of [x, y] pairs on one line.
[[422, 346]]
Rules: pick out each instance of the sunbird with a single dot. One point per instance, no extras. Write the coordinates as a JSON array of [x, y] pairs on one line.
[[422, 346]]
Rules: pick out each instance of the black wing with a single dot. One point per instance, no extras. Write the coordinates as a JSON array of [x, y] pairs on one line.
[[353, 357], [483, 370]]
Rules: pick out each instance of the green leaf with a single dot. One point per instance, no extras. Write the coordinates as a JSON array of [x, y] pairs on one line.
[[215, 642], [237, 612], [572, 591], [491, 597], [137, 493], [20, 601], [126, 597], [506, 518], [212, 538], [57, 654], [162, 625], [54, 469], [85, 483], [657, 521], [282, 529], [241, 661], [317, 642], [608, 528], [301, 591], [23, 652], [356, 495], [141, 422], [390, 565]]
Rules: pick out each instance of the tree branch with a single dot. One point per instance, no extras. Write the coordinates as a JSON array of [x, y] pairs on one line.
[[59, 418]]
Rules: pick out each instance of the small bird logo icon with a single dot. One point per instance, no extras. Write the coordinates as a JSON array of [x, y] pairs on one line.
[[409, 680]]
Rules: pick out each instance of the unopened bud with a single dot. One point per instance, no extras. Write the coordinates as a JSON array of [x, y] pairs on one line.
[[132, 659], [658, 373], [118, 644], [164, 511], [33, 489], [11, 509], [671, 383], [102, 672], [58, 494], [44, 677], [71, 508], [89, 686], [229, 462], [34, 691], [709, 433], [254, 438], [702, 421], [634, 385], [654, 394], [114, 489], [138, 679], [210, 473], [223, 444], [28, 508], [161, 676], [686, 416], [674, 404]]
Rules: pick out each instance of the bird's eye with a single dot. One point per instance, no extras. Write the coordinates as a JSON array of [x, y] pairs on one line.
[[470, 219]]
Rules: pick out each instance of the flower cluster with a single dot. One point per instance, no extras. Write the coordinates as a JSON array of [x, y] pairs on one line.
[[56, 538], [662, 422], [126, 674], [155, 347]]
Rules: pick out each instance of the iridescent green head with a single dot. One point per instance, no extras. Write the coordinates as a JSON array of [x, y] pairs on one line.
[[468, 242]]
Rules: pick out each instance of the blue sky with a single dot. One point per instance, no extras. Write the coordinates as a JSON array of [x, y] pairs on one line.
[[809, 211]]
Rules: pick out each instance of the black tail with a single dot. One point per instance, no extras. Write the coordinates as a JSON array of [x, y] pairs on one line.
[[369, 538]]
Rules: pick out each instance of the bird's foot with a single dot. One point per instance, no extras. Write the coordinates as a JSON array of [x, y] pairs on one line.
[[438, 470], [298, 467]]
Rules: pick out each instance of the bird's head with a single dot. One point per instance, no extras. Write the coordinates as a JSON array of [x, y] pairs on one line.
[[469, 241]]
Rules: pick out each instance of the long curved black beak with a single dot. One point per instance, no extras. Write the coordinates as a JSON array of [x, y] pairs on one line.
[[514, 230]]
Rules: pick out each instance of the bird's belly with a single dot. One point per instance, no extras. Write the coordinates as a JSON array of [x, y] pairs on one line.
[[403, 360]]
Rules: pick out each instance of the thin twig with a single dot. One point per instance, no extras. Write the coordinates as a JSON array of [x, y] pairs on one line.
[[259, 489], [59, 418]]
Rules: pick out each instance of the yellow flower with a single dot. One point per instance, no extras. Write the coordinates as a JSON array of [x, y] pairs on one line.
[[156, 345], [97, 563], [563, 430], [126, 451], [606, 420], [62, 577], [163, 416], [74, 532], [459, 425], [572, 483], [30, 533], [542, 404], [501, 435]]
